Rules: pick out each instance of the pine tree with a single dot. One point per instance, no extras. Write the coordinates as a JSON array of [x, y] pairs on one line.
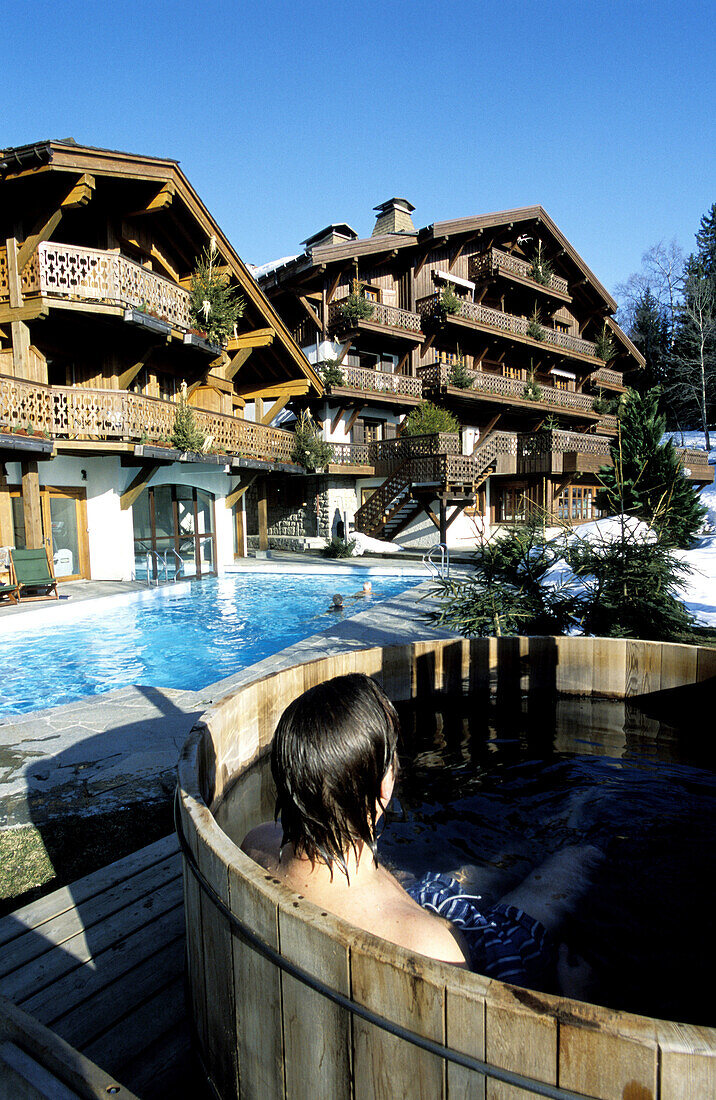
[[650, 333], [646, 478], [186, 436], [214, 304], [427, 419], [706, 243], [694, 355]]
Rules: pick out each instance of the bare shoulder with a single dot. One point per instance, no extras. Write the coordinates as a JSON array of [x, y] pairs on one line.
[[432, 936], [263, 844]]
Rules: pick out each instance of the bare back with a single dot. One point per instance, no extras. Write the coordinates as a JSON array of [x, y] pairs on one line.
[[372, 898]]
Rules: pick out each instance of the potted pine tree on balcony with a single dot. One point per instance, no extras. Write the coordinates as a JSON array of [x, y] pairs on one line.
[[215, 305]]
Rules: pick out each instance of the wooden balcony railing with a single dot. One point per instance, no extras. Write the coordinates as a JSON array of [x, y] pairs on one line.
[[386, 455], [379, 382], [612, 379], [508, 323], [66, 412], [560, 442], [351, 454], [493, 260], [83, 274], [485, 383], [390, 316]]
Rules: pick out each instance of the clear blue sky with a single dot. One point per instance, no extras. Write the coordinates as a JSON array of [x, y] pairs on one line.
[[288, 116]]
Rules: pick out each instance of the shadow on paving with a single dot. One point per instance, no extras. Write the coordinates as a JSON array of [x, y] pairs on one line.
[[101, 962]]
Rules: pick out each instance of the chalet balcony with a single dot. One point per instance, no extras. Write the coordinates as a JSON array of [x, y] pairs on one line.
[[560, 452], [383, 456], [498, 388], [386, 320], [73, 273], [486, 319], [71, 414], [605, 379], [696, 465], [402, 388], [493, 261]]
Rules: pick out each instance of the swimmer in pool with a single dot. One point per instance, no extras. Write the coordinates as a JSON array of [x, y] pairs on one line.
[[334, 763], [336, 603], [366, 592]]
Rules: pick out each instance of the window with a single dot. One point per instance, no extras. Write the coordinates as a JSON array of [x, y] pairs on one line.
[[561, 326], [512, 504], [576, 504], [368, 360], [511, 372], [560, 383], [448, 358], [370, 293], [369, 430]]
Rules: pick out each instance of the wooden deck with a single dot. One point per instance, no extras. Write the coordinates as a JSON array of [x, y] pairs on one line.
[[101, 963]]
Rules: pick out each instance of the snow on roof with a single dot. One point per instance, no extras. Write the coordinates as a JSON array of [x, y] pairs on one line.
[[272, 265]]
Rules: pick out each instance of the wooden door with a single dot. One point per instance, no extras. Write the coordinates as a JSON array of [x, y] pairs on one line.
[[64, 523]]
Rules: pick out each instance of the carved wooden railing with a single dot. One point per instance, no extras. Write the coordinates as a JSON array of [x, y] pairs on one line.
[[607, 424], [506, 322], [66, 412], [376, 381], [351, 454], [390, 316], [490, 447], [495, 260], [95, 275], [605, 377], [484, 382], [560, 442]]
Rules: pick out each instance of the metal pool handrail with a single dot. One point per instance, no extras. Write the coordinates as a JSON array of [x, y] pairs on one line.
[[441, 571], [238, 927]]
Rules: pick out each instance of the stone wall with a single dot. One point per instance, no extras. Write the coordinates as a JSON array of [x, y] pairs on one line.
[[337, 496], [291, 507]]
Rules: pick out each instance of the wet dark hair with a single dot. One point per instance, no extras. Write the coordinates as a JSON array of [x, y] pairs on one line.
[[331, 751]]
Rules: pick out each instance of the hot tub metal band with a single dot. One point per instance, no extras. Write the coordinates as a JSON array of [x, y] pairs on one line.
[[538, 1088]]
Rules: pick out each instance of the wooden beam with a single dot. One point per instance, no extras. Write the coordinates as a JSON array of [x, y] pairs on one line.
[[235, 494], [430, 514], [13, 273], [263, 515], [138, 485], [344, 351], [334, 285], [163, 198], [236, 363], [258, 338], [337, 418], [80, 194], [7, 536], [20, 348], [127, 376], [353, 417], [171, 271], [312, 315], [31, 505], [275, 409], [403, 361], [277, 389]]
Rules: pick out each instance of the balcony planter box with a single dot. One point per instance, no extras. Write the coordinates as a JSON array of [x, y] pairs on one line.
[[192, 340], [146, 321]]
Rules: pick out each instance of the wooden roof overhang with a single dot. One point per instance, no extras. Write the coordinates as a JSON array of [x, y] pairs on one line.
[[316, 260], [133, 185], [535, 215]]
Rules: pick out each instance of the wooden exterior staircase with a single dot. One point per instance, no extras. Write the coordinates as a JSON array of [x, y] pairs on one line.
[[430, 474]]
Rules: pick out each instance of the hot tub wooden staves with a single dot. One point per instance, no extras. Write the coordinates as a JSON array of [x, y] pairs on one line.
[[263, 1034]]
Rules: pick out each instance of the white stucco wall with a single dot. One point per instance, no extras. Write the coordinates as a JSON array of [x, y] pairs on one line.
[[110, 530]]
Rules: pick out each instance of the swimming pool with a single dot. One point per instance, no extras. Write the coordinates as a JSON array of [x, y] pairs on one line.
[[184, 636]]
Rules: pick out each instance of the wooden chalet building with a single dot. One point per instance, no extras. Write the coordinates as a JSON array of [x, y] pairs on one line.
[[496, 317], [97, 249]]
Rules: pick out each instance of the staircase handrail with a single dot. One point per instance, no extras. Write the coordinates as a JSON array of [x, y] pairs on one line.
[[378, 501], [493, 444]]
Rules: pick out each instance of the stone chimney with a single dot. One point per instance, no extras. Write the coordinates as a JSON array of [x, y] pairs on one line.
[[394, 217]]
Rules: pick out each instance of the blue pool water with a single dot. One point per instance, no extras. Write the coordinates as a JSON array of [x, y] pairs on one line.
[[186, 637]]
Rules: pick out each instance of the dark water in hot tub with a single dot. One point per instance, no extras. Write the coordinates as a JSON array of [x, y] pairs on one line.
[[504, 788]]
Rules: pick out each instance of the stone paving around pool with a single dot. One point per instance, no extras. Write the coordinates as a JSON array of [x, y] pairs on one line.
[[108, 751]]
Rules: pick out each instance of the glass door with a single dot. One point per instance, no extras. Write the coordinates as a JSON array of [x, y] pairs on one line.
[[174, 533], [64, 527]]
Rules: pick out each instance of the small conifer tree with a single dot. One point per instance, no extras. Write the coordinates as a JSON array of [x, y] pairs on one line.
[[309, 450], [459, 374], [534, 327], [427, 419], [646, 478], [214, 304], [186, 435], [450, 302]]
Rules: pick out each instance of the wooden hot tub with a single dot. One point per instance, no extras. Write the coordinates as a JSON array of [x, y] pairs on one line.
[[263, 1033]]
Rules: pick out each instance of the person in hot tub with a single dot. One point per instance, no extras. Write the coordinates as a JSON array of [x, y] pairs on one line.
[[334, 763]]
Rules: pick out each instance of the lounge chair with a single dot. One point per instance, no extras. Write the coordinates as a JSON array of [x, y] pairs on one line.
[[34, 575], [8, 587]]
